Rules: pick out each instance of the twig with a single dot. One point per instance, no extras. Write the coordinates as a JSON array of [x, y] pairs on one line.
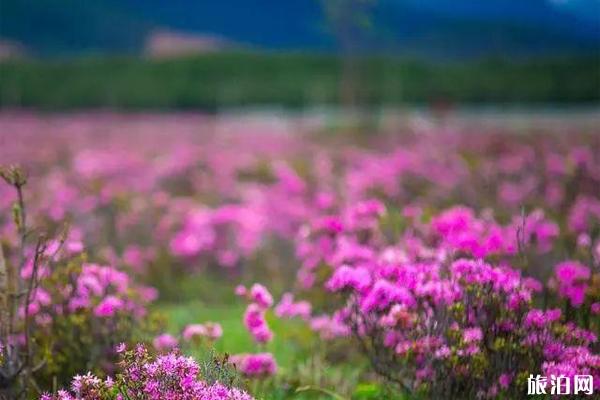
[[40, 248]]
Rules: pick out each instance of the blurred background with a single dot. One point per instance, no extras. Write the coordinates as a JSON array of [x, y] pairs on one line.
[[301, 55]]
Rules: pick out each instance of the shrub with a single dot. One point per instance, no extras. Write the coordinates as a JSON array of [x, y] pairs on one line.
[[142, 376], [60, 314]]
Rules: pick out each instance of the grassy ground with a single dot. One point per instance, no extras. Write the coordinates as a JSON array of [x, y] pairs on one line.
[[304, 370], [291, 347], [236, 338]]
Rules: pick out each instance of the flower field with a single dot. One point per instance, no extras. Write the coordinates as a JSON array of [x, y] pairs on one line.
[[169, 256]]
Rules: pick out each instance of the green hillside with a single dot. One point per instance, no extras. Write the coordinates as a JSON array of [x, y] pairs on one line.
[[293, 80]]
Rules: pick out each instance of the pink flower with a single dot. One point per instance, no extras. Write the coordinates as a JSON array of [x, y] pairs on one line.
[[74, 246], [329, 327], [84, 383], [194, 331], [584, 240], [571, 278], [240, 290], [584, 212], [364, 214], [538, 318], [289, 309], [443, 352], [134, 257], [472, 335], [255, 365], [261, 296], [255, 322], [192, 241], [455, 219], [168, 376], [383, 293], [210, 330], [213, 330], [346, 277], [109, 306], [164, 342]]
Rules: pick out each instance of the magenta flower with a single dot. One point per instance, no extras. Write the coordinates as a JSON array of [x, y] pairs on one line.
[[109, 306], [261, 296], [213, 330], [505, 381], [169, 376], [209, 330], [572, 281], [346, 277], [329, 327], [240, 290], [288, 308], [538, 318], [255, 365], [472, 335], [256, 324], [194, 331], [164, 342]]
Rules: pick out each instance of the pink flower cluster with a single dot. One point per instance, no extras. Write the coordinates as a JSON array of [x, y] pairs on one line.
[[256, 323], [229, 232], [459, 229], [330, 327], [255, 365], [288, 308], [436, 290], [169, 376], [108, 291], [424, 315], [208, 330], [258, 365], [571, 279], [165, 342], [584, 214], [92, 291], [254, 317]]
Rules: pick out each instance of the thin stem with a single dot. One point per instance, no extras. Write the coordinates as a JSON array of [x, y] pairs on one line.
[[39, 251]]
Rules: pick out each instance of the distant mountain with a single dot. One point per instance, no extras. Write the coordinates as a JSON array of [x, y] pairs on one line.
[[432, 28], [492, 27], [273, 24], [587, 10], [571, 17], [56, 27]]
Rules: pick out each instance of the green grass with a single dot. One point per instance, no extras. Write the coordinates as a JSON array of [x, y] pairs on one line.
[[295, 80], [303, 371], [236, 338]]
